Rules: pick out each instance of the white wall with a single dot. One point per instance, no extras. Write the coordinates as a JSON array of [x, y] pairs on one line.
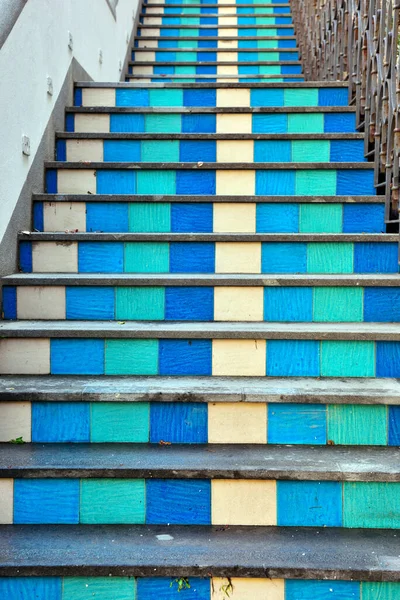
[[36, 48]]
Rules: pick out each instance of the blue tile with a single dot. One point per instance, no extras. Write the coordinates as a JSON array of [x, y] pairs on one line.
[[287, 43], [247, 32], [206, 57], [185, 357], [272, 151], [275, 183], [333, 96], [250, 57], [46, 501], [164, 588], [161, 70], [9, 302], [121, 150], [136, 97], [78, 97], [61, 150], [195, 183], [178, 422], [189, 303], [116, 182], [60, 422], [196, 123], [345, 150], [196, 150], [191, 218], [208, 32], [30, 588], [169, 33], [100, 257], [394, 425], [283, 257], [309, 503], [178, 502], [296, 589], [76, 357], [382, 304], [38, 216], [208, 20], [296, 424], [51, 181], [363, 218], [283, 21], [90, 303], [69, 122], [284, 31], [207, 44], [25, 257], [247, 21], [164, 56], [355, 183], [388, 359], [265, 123], [293, 358], [248, 70], [111, 217], [277, 218], [166, 43], [292, 304], [129, 123], [192, 257], [291, 69], [339, 123], [288, 56], [375, 258], [209, 80]]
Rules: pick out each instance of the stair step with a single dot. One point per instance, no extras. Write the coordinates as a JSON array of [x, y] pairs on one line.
[[288, 199], [205, 79]]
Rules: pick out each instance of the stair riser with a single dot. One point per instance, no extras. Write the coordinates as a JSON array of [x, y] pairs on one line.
[[201, 423], [208, 257], [204, 79], [219, 357], [217, 10], [271, 304], [210, 56], [218, 20], [233, 44], [220, 70], [220, 31], [201, 502]]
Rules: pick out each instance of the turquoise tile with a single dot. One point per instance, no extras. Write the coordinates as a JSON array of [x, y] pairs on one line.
[[99, 588], [329, 257], [166, 97], [315, 183], [306, 123], [300, 97], [131, 357], [361, 424], [156, 182], [321, 218], [380, 590], [140, 303], [335, 304], [120, 422], [347, 359], [149, 217], [160, 150], [146, 257], [162, 123], [112, 501], [371, 504]]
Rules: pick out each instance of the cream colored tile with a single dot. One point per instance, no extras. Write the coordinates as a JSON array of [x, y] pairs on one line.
[[6, 501], [52, 257], [87, 123], [237, 423], [229, 10], [24, 356], [228, 20], [145, 56], [146, 32], [15, 421], [243, 502], [228, 33], [226, 57], [153, 20], [235, 151], [225, 2], [148, 43], [234, 218], [236, 183], [76, 181], [238, 303], [41, 302], [152, 10], [60, 216], [227, 69], [245, 588], [85, 150], [98, 97], [238, 257], [239, 357], [233, 98], [226, 79], [227, 43], [233, 123], [145, 70]]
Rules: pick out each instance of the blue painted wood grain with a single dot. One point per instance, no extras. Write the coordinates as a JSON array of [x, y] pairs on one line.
[[30, 588], [288, 304], [272, 151], [370, 257], [9, 302], [340, 123], [185, 357], [76, 357], [60, 422], [78, 97], [135, 97], [347, 150], [275, 183], [165, 588], [296, 589], [112, 501], [277, 218], [355, 182], [207, 97], [189, 303], [192, 218], [25, 257], [99, 588], [120, 422], [156, 182], [69, 122], [178, 502], [38, 216], [394, 425], [283, 257], [197, 150], [126, 123], [293, 358], [121, 150], [61, 150], [178, 423], [363, 218], [100, 257], [309, 503], [340, 358], [51, 181], [46, 501], [270, 123], [296, 424], [333, 97], [267, 97], [115, 182], [385, 590], [107, 217], [192, 257], [131, 357], [388, 359], [146, 257], [382, 304], [195, 183], [197, 123], [90, 303]]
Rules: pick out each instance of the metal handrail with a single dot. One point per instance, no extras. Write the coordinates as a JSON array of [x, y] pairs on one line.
[[358, 41]]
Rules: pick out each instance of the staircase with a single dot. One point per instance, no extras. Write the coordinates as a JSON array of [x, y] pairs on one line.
[[199, 355]]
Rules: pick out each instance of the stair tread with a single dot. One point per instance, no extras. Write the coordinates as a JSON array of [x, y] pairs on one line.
[[217, 166], [210, 109], [287, 552], [209, 136], [221, 461]]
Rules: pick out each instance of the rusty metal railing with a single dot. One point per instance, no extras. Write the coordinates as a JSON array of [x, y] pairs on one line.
[[358, 41]]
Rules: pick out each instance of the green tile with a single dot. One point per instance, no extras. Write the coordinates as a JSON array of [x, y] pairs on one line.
[[185, 44], [146, 257], [315, 183], [99, 588], [162, 123], [266, 44], [112, 501], [321, 218], [265, 20], [190, 21], [380, 591], [185, 70], [300, 97], [347, 359], [120, 422], [305, 123], [262, 33], [338, 304], [187, 56], [189, 10], [189, 33], [270, 69], [166, 97], [268, 56], [329, 257], [149, 217], [371, 504], [361, 424], [158, 150], [187, 80], [140, 304], [131, 357], [310, 151], [156, 182], [263, 10]]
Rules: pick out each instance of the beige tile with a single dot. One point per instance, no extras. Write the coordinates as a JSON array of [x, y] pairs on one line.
[[243, 502], [15, 421], [85, 150], [235, 151], [148, 43], [229, 98], [228, 10], [145, 56], [98, 97], [41, 302], [24, 356], [238, 303], [153, 20], [233, 123], [226, 57], [228, 20], [60, 216], [146, 32], [234, 218], [76, 181], [6, 501], [235, 183], [152, 10], [246, 588], [52, 257], [239, 357], [238, 257], [227, 69], [145, 70], [226, 79], [228, 33], [227, 43], [87, 123], [237, 423]]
